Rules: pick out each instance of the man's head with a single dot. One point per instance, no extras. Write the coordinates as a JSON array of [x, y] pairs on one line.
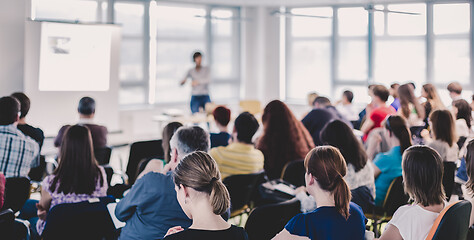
[[380, 93], [9, 110], [245, 127], [321, 102], [347, 97], [455, 89], [86, 107], [24, 103], [187, 140], [222, 115], [197, 58]]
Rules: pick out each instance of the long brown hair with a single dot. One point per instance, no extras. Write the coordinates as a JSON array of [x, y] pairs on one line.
[[407, 95], [470, 166], [284, 138], [443, 127], [398, 126], [199, 171], [168, 132], [328, 167], [78, 170], [432, 97]]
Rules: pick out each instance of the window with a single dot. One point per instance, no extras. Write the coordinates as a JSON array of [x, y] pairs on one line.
[[69, 10]]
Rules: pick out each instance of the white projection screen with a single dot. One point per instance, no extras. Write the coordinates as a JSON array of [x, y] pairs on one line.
[[74, 57]]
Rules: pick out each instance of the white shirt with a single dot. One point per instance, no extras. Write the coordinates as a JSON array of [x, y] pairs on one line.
[[413, 222], [348, 112], [462, 129], [203, 77], [447, 153]]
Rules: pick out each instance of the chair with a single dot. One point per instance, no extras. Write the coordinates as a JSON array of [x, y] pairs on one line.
[[452, 223], [17, 191], [7, 217], [242, 188], [251, 106], [448, 178], [109, 172], [293, 172], [266, 221], [83, 220], [139, 151], [103, 155], [37, 173]]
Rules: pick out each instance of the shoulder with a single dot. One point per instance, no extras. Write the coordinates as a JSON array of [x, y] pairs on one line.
[[405, 213], [355, 209]]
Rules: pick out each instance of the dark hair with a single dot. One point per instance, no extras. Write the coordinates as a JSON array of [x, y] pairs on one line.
[[455, 87], [86, 106], [222, 115], [328, 168], [190, 139], [341, 136], [78, 170], [196, 55], [407, 95], [284, 138], [199, 171], [470, 166], [246, 126], [322, 101], [432, 96], [9, 108], [397, 125], [381, 92], [443, 127], [423, 175], [349, 95], [24, 103], [464, 111], [168, 132]]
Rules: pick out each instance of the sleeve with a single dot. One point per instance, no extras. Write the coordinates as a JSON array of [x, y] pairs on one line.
[[382, 162], [59, 137], [400, 220], [46, 183], [375, 116], [297, 226], [128, 205], [40, 137], [35, 153], [188, 74]]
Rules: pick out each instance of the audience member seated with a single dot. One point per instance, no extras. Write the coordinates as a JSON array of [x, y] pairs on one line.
[[461, 110], [377, 111], [346, 108], [240, 157], [455, 90], [410, 107], [222, 118], [443, 132], [86, 110], [388, 165], [203, 198], [19, 153], [360, 173], [422, 178], [470, 173], [363, 113], [335, 217], [151, 207], [284, 138], [77, 178], [35, 133], [310, 100], [433, 101], [393, 90], [322, 113]]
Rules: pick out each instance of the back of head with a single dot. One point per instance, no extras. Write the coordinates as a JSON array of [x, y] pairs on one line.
[[422, 175], [328, 167], [442, 126], [397, 126], [24, 103], [341, 136], [168, 132], [77, 170], [311, 96], [381, 92], [321, 102], [406, 93], [470, 166], [455, 87], [9, 109], [199, 171], [246, 126], [86, 106], [464, 111], [190, 139], [222, 115], [349, 95]]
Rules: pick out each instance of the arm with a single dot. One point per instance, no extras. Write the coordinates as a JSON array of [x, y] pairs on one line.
[[368, 124], [391, 233], [128, 205], [44, 204], [285, 235], [155, 165], [377, 171], [185, 79]]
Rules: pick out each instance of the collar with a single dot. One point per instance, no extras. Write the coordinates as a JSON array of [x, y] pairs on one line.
[[85, 121]]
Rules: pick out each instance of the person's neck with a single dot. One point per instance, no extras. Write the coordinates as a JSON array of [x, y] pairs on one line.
[[204, 217], [379, 103], [346, 103], [22, 121], [437, 208], [88, 117], [198, 67], [240, 142], [323, 198], [222, 128]]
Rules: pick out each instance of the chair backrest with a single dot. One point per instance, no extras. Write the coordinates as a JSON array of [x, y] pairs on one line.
[[452, 223], [251, 106], [37, 173], [139, 151], [396, 196], [109, 172], [242, 188], [448, 178], [293, 172], [7, 219], [83, 220], [266, 221], [17, 191], [103, 155]]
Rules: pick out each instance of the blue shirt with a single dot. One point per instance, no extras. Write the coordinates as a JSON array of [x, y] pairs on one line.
[[390, 165], [219, 139], [396, 104], [326, 223], [151, 208]]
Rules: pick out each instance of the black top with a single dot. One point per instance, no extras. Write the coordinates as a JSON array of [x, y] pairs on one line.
[[219, 139], [32, 132], [318, 118], [232, 233]]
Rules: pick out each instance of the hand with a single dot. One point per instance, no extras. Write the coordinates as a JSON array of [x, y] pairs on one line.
[[182, 82], [42, 213], [300, 189], [425, 134], [194, 83], [174, 230]]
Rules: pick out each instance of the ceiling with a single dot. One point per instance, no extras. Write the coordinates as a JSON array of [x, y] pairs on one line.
[[298, 2]]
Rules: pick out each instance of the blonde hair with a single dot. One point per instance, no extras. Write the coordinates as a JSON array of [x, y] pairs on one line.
[[199, 171]]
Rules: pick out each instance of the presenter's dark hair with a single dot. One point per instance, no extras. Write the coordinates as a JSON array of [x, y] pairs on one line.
[[9, 108], [196, 55], [246, 126], [24, 103], [86, 106]]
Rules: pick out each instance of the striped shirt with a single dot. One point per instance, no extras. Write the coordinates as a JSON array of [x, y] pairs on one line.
[[237, 158], [18, 153]]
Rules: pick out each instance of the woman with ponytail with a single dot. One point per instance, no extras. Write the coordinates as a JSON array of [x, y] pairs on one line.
[[203, 198], [335, 217]]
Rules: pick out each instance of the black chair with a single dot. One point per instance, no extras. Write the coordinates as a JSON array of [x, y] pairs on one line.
[[139, 151], [242, 190], [109, 172], [7, 218], [452, 223], [266, 221], [363, 197], [448, 178], [17, 191], [83, 220], [37, 173], [293, 173], [103, 155]]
